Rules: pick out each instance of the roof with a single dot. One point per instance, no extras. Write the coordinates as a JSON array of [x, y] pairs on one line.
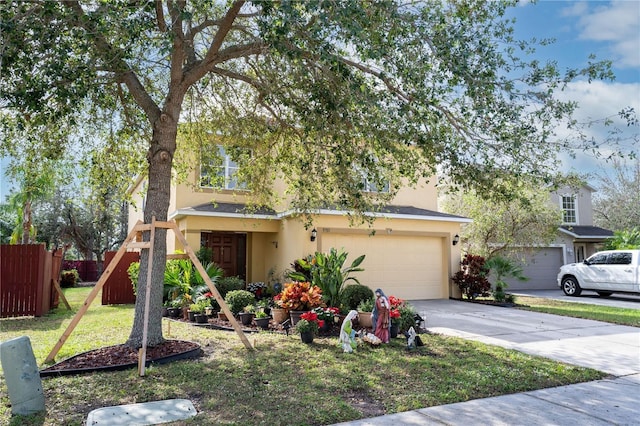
[[586, 232], [240, 210], [226, 209]]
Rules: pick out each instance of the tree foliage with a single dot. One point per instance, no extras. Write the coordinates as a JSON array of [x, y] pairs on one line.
[[615, 205], [317, 92], [503, 226]]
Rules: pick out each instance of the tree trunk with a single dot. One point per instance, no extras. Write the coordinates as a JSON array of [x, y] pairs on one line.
[[160, 158], [26, 222]]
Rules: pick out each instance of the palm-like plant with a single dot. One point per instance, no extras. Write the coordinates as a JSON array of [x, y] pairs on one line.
[[503, 268], [327, 271]]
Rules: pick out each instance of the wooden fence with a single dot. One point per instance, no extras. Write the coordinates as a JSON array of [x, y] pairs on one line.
[[87, 269], [25, 280], [117, 288]]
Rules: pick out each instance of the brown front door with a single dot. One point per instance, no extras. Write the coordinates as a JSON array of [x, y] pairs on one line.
[[229, 251]]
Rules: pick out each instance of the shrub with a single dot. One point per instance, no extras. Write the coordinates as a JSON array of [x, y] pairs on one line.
[[472, 278], [134, 272], [227, 284], [353, 294], [69, 278], [366, 305], [238, 299]]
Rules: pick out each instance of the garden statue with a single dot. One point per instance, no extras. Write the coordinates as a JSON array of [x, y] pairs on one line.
[[380, 316], [347, 339], [369, 338]]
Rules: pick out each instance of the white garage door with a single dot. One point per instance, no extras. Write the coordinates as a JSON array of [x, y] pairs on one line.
[[408, 267], [541, 268]]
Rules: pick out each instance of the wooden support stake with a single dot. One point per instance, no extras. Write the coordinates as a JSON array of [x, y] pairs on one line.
[[92, 295], [56, 284], [142, 355], [212, 288]]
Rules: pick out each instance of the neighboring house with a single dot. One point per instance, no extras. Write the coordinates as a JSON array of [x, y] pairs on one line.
[[410, 255], [577, 239]]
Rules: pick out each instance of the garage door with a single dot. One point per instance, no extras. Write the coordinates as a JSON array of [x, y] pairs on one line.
[[541, 268], [408, 267]]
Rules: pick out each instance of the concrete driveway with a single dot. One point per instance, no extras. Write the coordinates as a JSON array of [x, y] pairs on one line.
[[606, 347], [629, 301]]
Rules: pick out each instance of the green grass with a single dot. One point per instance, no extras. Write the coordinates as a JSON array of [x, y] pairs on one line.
[[283, 382], [622, 316]]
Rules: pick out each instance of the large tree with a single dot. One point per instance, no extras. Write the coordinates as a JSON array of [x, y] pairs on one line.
[[505, 227], [616, 204], [319, 92]]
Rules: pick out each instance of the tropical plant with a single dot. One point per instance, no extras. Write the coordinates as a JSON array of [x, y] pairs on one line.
[[501, 268], [328, 314], [300, 296], [472, 277], [624, 240], [236, 300], [353, 294], [366, 305], [327, 271], [261, 314]]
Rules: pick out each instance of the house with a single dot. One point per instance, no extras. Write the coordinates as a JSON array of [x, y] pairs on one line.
[[576, 240], [410, 248]]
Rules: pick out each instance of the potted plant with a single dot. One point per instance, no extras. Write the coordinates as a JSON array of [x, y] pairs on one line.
[[198, 312], [328, 315], [175, 308], [365, 307], [247, 314], [193, 310], [300, 297], [308, 326], [279, 313], [262, 320]]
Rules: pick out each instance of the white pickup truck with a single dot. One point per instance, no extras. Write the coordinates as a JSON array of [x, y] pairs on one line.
[[606, 272]]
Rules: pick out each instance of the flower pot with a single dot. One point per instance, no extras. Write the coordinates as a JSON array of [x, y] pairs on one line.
[[393, 331], [279, 315], [306, 336], [263, 323], [364, 319], [208, 311], [192, 316], [175, 312], [201, 318], [246, 318], [295, 316], [165, 311], [222, 316]]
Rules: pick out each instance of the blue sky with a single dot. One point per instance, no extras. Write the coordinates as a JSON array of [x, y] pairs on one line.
[[608, 29]]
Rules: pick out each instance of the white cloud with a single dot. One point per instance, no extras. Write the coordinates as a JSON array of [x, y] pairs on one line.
[[616, 23], [597, 101]]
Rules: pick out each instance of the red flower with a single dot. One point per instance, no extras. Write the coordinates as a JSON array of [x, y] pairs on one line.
[[309, 316], [394, 313]]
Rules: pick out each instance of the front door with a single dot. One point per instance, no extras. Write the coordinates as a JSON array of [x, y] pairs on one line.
[[580, 250], [229, 251]]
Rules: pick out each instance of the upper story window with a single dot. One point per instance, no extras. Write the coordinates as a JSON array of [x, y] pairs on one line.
[[370, 186], [569, 209], [220, 173]]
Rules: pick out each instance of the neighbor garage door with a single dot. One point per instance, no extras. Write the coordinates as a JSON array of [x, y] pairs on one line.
[[541, 268], [408, 267]]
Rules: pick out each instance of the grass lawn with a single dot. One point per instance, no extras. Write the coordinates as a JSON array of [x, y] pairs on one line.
[[283, 382], [622, 316]]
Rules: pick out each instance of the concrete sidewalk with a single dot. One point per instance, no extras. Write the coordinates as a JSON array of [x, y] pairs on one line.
[[610, 348]]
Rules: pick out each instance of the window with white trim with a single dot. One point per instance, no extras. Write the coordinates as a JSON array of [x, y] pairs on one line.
[[370, 186], [569, 209], [220, 173]]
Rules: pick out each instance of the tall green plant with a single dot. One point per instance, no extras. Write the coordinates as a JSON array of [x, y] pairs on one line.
[[624, 240], [327, 271], [503, 268]]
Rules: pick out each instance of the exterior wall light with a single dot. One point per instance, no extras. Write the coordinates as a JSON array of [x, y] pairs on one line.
[[314, 234], [456, 239]]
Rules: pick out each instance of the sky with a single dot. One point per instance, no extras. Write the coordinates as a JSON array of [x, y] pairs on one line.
[[608, 29], [611, 31]]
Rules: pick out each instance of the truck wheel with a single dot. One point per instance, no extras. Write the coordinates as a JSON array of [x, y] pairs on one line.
[[604, 293], [571, 287]]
